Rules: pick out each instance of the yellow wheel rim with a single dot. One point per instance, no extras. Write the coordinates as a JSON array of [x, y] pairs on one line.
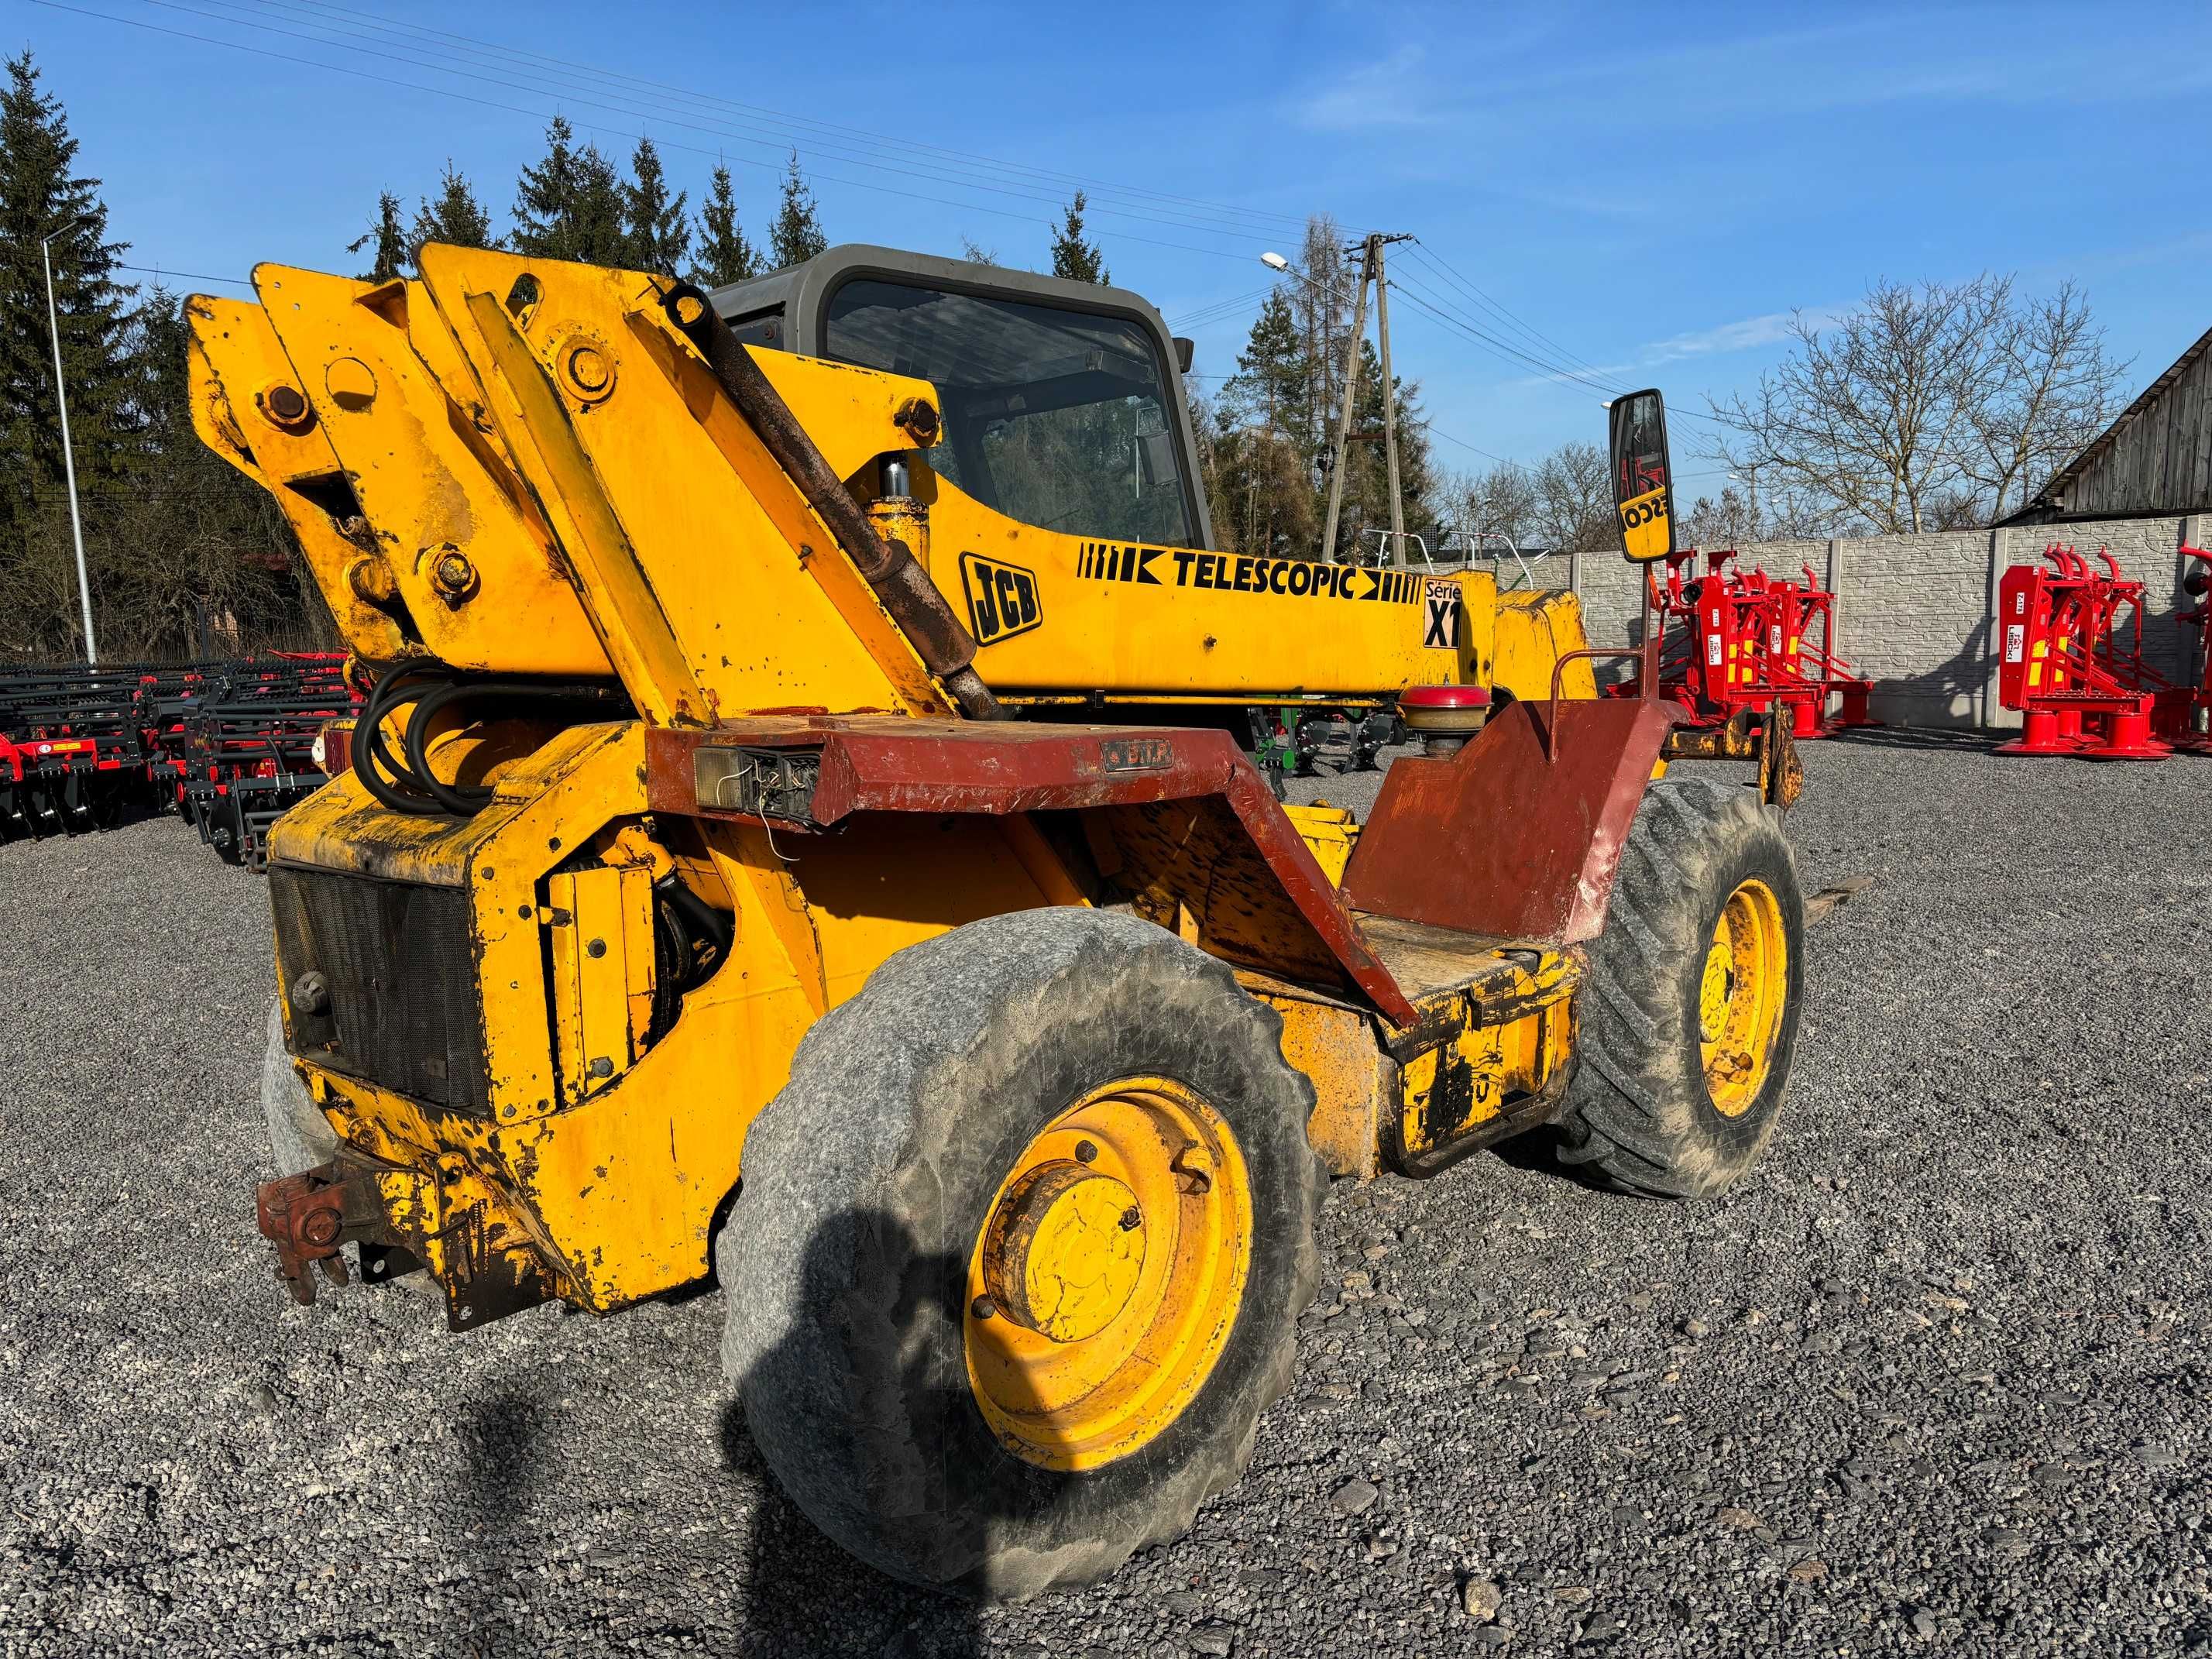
[[1741, 996], [1105, 1280]]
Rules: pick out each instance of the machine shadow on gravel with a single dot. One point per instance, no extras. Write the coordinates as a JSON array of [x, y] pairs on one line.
[[500, 1434], [805, 1595]]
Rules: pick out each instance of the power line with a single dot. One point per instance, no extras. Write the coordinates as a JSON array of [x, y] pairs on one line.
[[1504, 350], [160, 271], [1429, 259], [388, 27], [609, 101], [1218, 309], [1435, 431]]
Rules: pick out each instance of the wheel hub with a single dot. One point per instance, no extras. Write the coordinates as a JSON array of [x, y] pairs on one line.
[[1105, 1277], [1740, 995], [1064, 1251], [1719, 984]]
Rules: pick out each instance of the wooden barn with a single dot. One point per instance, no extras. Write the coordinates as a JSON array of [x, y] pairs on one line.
[[2156, 460]]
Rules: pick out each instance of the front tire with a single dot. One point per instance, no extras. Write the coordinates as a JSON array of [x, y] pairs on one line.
[[1088, 1098], [1687, 1019]]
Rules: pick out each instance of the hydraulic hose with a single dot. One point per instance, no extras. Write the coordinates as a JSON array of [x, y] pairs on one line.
[[404, 781]]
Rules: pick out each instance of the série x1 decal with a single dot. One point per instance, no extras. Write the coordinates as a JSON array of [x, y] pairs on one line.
[[1235, 573], [1440, 631]]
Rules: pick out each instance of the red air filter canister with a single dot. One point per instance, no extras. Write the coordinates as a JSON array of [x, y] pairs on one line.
[[1445, 716]]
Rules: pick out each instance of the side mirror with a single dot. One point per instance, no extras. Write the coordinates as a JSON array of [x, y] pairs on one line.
[[1641, 477]]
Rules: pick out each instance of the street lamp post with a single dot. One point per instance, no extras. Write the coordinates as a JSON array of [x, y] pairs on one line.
[[69, 458]]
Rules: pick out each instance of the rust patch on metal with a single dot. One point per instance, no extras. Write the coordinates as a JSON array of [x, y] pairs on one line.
[[1505, 838]]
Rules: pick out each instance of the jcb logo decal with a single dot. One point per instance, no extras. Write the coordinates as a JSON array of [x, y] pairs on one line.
[[1002, 598]]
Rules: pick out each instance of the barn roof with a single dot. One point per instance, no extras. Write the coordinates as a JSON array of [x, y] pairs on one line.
[[2051, 497]]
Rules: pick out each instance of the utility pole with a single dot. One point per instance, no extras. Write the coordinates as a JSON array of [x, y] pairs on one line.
[[1351, 392], [1389, 403], [68, 460], [1370, 248]]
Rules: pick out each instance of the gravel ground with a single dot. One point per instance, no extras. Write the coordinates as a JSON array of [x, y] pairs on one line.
[[1933, 1380]]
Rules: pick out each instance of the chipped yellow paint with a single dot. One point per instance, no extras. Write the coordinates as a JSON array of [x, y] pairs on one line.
[[1355, 1083], [1479, 1070]]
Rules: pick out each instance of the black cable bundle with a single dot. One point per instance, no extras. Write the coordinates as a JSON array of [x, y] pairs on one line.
[[404, 781]]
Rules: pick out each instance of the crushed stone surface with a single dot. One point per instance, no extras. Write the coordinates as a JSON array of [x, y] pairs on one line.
[[1933, 1380]]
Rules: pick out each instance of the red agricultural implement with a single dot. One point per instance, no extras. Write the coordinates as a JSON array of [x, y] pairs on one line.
[[2076, 674], [1740, 641], [227, 745], [2188, 721]]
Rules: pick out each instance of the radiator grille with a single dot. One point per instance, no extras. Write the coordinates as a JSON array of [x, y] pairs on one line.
[[402, 1009]]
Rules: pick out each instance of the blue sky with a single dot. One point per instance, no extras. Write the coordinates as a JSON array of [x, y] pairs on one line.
[[1646, 192]]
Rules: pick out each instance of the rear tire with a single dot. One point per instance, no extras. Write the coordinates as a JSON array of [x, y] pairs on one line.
[[300, 1136], [1656, 1105], [848, 1261]]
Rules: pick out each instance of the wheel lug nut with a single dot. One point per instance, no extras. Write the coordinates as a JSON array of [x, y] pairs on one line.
[[984, 1308], [1131, 1219], [1086, 1152]]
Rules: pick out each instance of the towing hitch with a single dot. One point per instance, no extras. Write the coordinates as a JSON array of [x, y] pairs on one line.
[[310, 1217]]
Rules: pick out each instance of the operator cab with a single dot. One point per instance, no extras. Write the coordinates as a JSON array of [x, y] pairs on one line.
[[1060, 401]]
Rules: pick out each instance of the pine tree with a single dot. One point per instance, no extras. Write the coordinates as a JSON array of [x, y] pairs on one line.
[[569, 206], [796, 236], [171, 531], [725, 255], [388, 237], [1275, 374], [659, 234], [40, 193], [1072, 256], [454, 216]]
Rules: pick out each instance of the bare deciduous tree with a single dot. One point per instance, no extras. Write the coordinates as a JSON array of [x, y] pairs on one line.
[[1501, 501], [1574, 500], [1872, 414], [1925, 408], [2048, 390]]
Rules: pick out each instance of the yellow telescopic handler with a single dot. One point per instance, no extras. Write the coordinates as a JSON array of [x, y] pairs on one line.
[[800, 835]]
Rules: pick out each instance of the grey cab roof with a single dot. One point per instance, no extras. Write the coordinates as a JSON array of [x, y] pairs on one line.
[[797, 294]]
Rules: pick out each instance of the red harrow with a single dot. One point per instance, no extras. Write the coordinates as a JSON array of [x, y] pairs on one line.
[[226, 746], [1734, 641], [2080, 688]]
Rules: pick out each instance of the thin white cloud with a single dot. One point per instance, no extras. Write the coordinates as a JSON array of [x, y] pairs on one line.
[[1746, 334], [1371, 96], [1540, 82], [1771, 329]]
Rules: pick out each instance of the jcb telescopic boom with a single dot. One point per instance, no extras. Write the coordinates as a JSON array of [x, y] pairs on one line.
[[716, 885]]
